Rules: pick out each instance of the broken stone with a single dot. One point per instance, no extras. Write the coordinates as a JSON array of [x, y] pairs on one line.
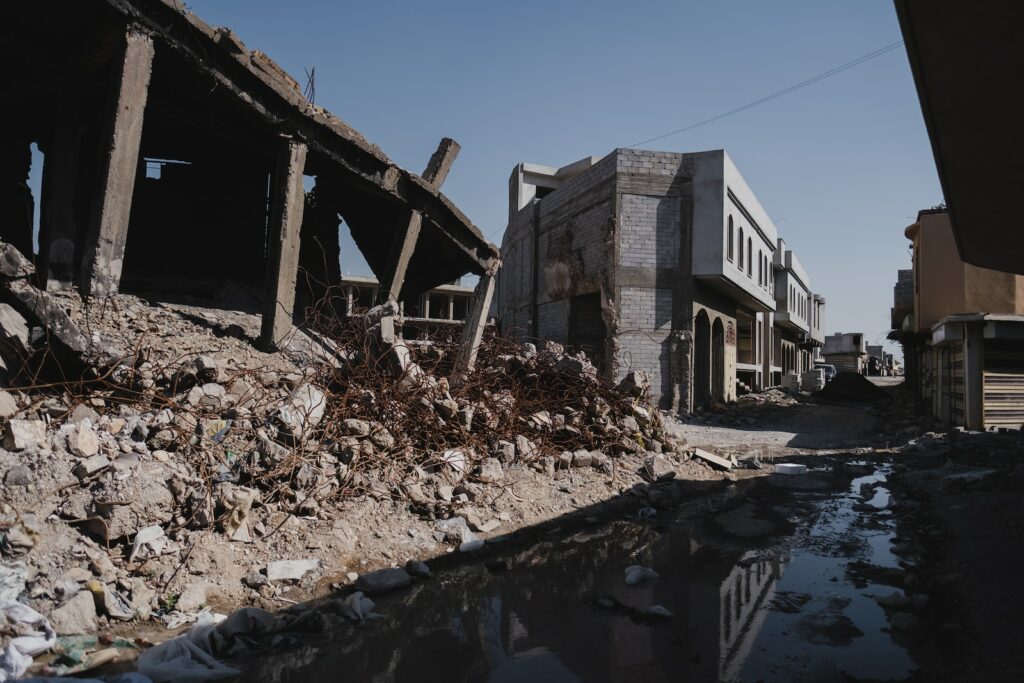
[[658, 468], [582, 458], [206, 369], [19, 475], [91, 466], [84, 412], [505, 451], [446, 407], [629, 424], [490, 471], [526, 448], [356, 427], [77, 616], [8, 405], [290, 570], [302, 412], [636, 383], [192, 598], [383, 580], [83, 441], [22, 434], [454, 530]]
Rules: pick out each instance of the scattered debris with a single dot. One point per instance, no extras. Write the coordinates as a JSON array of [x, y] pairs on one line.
[[715, 460]]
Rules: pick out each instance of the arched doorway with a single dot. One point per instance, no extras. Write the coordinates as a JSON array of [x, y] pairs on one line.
[[718, 361], [702, 359]]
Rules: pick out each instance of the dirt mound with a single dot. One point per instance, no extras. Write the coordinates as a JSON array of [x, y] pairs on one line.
[[851, 386]]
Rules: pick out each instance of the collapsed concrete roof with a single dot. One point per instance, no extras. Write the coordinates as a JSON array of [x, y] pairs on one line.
[[208, 94]]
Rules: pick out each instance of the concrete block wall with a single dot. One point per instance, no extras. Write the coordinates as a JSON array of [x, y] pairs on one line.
[[644, 326], [649, 233]]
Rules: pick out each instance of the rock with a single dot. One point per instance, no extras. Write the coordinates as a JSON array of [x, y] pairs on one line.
[[658, 468], [600, 461], [206, 369], [505, 451], [418, 569], [19, 475], [22, 434], [83, 412], [490, 471], [629, 424], [637, 574], [91, 466], [14, 337], [454, 530], [636, 383], [355, 427], [192, 598], [471, 546], [383, 580], [446, 407], [564, 460], [582, 458], [302, 412], [83, 441], [255, 579], [77, 616], [8, 405], [290, 570], [526, 448], [489, 526]]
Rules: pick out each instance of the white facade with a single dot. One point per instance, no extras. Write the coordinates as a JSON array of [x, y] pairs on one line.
[[734, 240], [794, 304]]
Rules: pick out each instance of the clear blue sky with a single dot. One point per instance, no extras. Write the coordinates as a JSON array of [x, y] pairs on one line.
[[842, 166]]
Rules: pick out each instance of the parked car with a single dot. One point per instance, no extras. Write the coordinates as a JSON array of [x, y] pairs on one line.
[[830, 370]]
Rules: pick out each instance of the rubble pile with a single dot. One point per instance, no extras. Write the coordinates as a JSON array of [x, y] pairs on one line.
[[120, 484]]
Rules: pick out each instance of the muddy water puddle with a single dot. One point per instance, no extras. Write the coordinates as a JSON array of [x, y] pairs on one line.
[[758, 591]]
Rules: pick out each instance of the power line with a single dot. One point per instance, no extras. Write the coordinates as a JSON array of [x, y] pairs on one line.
[[785, 91]]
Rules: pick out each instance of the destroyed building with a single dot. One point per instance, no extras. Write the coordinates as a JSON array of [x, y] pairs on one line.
[[659, 261], [174, 159]]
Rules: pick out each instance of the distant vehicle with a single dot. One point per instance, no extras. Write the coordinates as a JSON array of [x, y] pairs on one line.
[[830, 371]]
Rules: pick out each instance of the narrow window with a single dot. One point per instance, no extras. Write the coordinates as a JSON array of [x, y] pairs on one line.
[[729, 250], [750, 258], [741, 248]]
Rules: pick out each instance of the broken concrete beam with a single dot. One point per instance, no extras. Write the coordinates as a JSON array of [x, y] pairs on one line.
[[714, 460], [404, 244], [473, 332], [287, 203], [74, 351], [104, 247]]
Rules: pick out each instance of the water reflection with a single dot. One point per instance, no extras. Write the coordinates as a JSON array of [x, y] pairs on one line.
[[784, 612]]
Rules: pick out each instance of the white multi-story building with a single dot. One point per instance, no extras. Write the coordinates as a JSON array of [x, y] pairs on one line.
[[654, 260]]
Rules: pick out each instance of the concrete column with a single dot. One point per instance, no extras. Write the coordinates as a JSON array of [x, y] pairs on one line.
[[974, 375], [286, 205], [451, 307], [473, 332], [104, 247], [57, 220], [404, 243]]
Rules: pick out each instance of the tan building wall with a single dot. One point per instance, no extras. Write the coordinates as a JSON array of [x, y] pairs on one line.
[[945, 285]]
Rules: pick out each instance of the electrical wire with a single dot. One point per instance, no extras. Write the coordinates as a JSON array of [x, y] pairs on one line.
[[775, 95]]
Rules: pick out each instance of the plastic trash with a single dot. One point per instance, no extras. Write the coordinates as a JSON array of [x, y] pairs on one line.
[[37, 637], [182, 661]]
